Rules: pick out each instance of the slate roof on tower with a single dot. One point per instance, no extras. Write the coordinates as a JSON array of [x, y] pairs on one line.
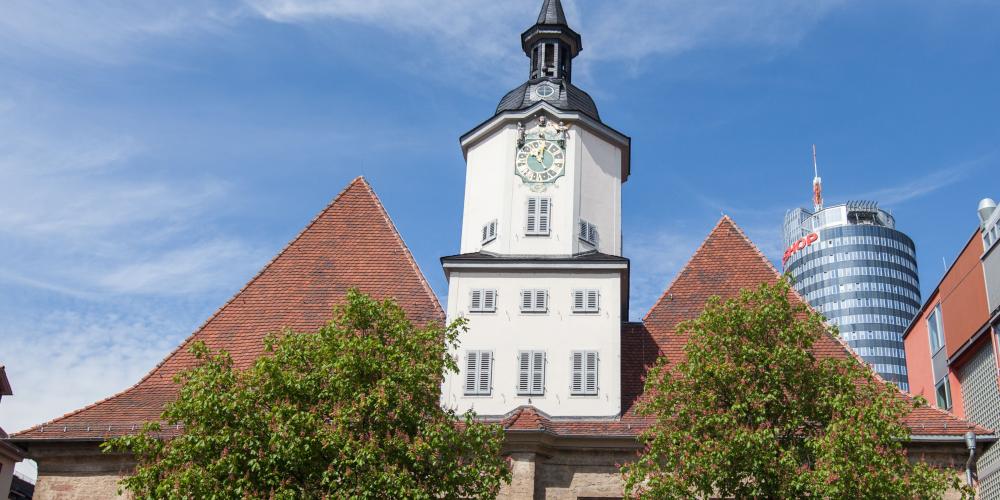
[[351, 243], [726, 263], [552, 13]]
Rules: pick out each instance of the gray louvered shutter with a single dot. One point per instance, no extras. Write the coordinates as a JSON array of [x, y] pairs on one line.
[[592, 233], [532, 224], [544, 210], [486, 233], [485, 372], [538, 372], [590, 382], [527, 300], [593, 300], [583, 230], [477, 301], [576, 381], [471, 371], [579, 302], [490, 300], [524, 373], [541, 300]]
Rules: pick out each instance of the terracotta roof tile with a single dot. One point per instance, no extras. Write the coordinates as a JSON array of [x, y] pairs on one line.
[[351, 243], [725, 263]]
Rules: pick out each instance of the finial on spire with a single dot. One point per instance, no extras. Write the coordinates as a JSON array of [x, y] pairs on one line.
[[552, 13], [817, 184]]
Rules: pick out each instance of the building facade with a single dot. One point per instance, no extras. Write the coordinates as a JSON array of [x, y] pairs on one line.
[[951, 346], [540, 277], [853, 266]]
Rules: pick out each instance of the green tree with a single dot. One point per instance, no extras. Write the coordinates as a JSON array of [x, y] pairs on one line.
[[751, 412], [351, 411]]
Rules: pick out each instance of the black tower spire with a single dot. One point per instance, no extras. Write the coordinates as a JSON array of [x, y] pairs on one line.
[[551, 43]]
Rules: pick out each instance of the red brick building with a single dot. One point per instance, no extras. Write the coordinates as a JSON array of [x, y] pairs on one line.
[[951, 350]]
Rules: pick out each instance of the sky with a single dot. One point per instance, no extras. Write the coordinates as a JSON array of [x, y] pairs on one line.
[[154, 155]]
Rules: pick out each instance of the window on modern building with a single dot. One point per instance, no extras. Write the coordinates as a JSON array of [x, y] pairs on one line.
[[934, 330], [588, 232], [478, 373], [489, 231], [483, 300], [586, 301], [539, 212], [943, 391], [534, 301], [531, 373], [584, 376]]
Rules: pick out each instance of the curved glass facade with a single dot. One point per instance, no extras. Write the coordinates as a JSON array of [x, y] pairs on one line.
[[861, 274]]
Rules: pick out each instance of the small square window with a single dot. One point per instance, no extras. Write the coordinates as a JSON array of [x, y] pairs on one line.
[[483, 301], [534, 301], [588, 232], [489, 232], [586, 301]]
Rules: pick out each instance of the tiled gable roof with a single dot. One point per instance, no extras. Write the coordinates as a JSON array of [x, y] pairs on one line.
[[725, 263], [351, 243]]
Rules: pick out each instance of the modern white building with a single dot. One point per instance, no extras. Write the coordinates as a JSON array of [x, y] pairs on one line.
[[540, 277]]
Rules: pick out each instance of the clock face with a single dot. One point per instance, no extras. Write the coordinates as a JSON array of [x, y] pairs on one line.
[[540, 161]]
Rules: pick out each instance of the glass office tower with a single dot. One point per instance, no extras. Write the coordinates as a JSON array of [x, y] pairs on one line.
[[855, 268]]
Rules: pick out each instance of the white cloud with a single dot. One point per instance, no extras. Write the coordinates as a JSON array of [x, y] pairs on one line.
[[929, 182], [62, 361]]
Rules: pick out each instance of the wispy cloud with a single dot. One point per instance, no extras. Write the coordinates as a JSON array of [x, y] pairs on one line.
[[929, 182], [66, 360], [104, 31]]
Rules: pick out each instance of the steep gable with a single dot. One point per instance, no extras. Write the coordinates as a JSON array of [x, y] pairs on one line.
[[725, 263], [352, 243]]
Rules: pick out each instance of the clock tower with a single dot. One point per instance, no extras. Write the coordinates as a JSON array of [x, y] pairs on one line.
[[540, 276]]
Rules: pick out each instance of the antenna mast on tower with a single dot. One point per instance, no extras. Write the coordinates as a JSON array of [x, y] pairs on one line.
[[817, 185]]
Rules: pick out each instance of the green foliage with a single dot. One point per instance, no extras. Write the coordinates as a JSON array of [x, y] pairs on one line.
[[752, 413], [351, 411]]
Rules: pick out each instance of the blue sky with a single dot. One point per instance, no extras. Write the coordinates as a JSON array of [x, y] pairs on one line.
[[153, 155]]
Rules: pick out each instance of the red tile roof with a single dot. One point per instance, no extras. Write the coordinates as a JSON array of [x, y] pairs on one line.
[[726, 263], [351, 243]]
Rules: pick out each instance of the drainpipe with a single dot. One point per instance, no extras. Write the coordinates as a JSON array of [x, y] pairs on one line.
[[970, 443]]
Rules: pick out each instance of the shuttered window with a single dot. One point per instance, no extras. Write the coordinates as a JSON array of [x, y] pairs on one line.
[[531, 373], [586, 301], [539, 216], [483, 300], [588, 232], [478, 373], [489, 232], [534, 301], [583, 380]]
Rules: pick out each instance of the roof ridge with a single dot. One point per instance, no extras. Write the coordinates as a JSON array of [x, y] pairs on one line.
[[360, 180], [402, 243], [666, 292]]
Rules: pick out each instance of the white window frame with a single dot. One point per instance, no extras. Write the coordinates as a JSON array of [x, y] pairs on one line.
[[584, 373], [935, 327], [489, 232], [531, 373], [539, 216], [586, 301], [478, 373], [535, 301], [482, 300], [944, 382], [588, 232]]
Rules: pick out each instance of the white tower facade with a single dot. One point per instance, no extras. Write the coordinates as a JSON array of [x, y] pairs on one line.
[[540, 277]]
